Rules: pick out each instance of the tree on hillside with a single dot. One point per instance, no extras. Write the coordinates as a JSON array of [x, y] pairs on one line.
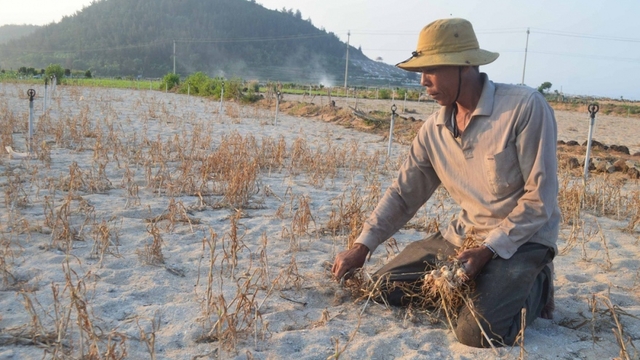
[[544, 87]]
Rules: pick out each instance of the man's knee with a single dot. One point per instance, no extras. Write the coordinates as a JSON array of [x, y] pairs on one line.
[[469, 333]]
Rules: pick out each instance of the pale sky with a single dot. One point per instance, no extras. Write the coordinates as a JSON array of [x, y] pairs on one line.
[[583, 47]]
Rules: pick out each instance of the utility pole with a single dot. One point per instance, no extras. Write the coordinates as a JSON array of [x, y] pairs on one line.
[[346, 67], [174, 57], [526, 48]]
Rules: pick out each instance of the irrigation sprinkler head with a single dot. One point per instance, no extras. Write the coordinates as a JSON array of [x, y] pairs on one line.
[[31, 93], [393, 109], [593, 109]]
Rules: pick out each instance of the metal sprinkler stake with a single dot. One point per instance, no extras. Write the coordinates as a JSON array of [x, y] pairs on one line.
[[31, 93], [277, 107], [393, 120], [46, 82], [404, 105], [221, 97], [593, 110], [355, 94]]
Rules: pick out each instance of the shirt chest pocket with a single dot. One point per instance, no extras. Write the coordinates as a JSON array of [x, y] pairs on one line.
[[503, 172]]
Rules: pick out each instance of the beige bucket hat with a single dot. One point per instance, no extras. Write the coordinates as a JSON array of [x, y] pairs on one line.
[[447, 42]]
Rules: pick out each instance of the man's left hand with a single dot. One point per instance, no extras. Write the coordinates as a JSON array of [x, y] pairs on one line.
[[473, 260]]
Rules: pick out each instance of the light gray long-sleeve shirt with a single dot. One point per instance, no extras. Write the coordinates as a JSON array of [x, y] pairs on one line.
[[502, 172]]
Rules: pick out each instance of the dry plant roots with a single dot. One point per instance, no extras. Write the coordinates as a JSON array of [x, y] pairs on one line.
[[444, 289]]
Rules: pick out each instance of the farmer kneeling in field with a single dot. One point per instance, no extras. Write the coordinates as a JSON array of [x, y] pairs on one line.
[[493, 148]]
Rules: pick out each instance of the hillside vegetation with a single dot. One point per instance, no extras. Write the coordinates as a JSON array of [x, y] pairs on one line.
[[13, 32]]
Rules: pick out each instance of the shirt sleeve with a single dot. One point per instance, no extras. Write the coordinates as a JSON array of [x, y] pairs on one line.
[[414, 185], [536, 134]]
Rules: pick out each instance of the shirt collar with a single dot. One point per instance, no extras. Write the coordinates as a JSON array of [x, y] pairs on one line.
[[485, 104], [484, 107]]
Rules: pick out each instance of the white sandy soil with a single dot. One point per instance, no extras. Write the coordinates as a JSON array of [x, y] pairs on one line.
[[300, 311]]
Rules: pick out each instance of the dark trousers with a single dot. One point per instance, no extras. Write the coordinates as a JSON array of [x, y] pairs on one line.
[[502, 289]]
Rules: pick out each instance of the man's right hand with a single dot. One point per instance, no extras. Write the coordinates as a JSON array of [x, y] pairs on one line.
[[349, 259]]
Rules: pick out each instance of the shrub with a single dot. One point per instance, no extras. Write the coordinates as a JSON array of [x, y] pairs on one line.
[[55, 69], [233, 89], [252, 93], [169, 81], [198, 83], [413, 94]]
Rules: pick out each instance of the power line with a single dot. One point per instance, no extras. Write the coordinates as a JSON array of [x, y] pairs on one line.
[[280, 38], [520, 51], [313, 36], [123, 47], [502, 31], [584, 36], [372, 33], [164, 42], [413, 33], [513, 31], [585, 56]]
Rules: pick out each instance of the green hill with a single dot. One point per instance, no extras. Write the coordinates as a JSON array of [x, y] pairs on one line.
[[220, 37]]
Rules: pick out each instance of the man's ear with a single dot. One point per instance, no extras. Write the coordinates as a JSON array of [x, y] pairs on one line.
[[472, 69]]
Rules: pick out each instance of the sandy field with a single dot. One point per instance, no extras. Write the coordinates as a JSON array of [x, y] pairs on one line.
[[154, 225]]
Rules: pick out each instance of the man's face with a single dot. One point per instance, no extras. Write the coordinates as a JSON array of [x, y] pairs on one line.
[[441, 83]]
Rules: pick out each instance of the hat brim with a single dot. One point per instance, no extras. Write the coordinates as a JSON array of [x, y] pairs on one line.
[[473, 57]]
